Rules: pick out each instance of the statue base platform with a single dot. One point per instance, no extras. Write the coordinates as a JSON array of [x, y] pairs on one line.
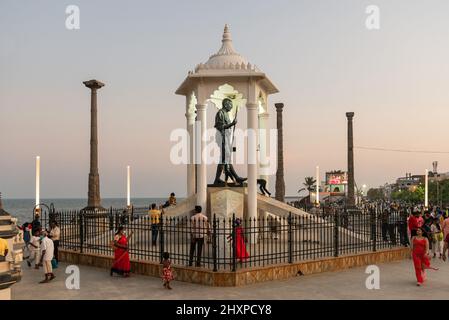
[[94, 209], [228, 185], [226, 202]]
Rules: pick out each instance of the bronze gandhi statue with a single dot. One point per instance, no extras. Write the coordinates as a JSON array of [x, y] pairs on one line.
[[223, 137]]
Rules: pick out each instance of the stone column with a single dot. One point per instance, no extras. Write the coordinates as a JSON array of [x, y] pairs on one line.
[[202, 165], [94, 200], [252, 109], [280, 183], [263, 136], [190, 117], [351, 195]]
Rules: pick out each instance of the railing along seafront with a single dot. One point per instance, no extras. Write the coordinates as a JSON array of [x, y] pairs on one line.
[[231, 244]]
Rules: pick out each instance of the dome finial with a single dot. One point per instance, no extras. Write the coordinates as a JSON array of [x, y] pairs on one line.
[[226, 33], [227, 55], [226, 47]]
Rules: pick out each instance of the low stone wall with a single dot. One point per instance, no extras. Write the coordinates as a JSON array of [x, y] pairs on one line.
[[244, 276]]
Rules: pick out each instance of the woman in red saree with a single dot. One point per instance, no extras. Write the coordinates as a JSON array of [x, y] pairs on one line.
[[240, 247], [420, 256], [121, 263]]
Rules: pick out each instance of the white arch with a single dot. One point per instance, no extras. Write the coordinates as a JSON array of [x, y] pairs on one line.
[[228, 91]]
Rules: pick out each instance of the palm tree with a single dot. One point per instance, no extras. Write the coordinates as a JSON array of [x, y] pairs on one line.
[[309, 184], [299, 194]]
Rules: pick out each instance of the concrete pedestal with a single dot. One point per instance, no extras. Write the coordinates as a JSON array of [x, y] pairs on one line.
[[226, 203]]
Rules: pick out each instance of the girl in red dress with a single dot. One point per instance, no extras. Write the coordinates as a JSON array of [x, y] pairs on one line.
[[420, 256], [167, 273], [121, 263], [240, 247]]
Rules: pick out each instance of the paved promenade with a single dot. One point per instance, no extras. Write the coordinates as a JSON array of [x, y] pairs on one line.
[[397, 281]]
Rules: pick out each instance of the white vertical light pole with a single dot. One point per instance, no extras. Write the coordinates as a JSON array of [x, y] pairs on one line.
[[317, 185], [38, 178], [128, 187], [426, 193]]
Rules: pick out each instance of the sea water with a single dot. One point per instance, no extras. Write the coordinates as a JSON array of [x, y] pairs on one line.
[[22, 209]]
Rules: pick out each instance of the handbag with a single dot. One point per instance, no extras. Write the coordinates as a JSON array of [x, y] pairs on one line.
[[54, 263]]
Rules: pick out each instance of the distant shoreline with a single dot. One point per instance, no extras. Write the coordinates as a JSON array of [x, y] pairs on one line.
[[111, 198]]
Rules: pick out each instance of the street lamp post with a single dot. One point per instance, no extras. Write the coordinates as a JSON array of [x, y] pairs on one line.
[[317, 198], [426, 194]]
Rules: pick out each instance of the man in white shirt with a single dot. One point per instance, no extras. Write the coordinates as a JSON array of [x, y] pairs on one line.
[[34, 249], [55, 235], [47, 251], [200, 229]]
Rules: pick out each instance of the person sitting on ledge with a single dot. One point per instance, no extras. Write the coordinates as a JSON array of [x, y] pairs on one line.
[[171, 201]]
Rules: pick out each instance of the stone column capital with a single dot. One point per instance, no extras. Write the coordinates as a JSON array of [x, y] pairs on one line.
[[349, 115], [279, 106], [93, 84]]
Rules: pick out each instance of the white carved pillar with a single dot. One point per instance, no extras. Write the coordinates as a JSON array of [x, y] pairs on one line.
[[190, 118], [202, 165], [263, 136], [252, 110]]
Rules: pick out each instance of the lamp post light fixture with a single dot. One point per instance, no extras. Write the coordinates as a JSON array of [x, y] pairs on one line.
[[37, 210]]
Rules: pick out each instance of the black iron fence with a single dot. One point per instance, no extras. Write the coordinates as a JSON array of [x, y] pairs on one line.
[[231, 243]]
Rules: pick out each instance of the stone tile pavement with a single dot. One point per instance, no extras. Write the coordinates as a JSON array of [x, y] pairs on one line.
[[397, 281]]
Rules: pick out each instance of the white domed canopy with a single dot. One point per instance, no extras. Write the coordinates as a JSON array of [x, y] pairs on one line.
[[227, 55], [225, 64]]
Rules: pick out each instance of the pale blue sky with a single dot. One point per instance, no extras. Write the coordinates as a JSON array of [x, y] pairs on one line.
[[318, 53]]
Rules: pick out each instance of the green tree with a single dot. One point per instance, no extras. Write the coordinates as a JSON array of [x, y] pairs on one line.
[[439, 192], [416, 196], [375, 194], [309, 183]]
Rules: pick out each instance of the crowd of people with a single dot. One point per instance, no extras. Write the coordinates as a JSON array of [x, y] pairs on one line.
[[429, 238], [41, 246], [200, 233], [425, 230]]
